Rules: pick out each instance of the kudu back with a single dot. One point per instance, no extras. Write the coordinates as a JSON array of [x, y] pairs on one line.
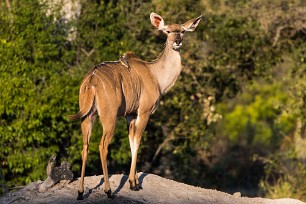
[[131, 88]]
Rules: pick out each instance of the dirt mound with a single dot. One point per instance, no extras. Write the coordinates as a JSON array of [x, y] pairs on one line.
[[155, 190]]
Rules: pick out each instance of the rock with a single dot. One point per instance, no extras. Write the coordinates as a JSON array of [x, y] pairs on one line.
[[237, 194], [55, 174], [155, 190], [62, 172], [48, 183]]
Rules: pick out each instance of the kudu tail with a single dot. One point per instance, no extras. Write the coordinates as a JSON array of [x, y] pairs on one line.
[[87, 99], [77, 116]]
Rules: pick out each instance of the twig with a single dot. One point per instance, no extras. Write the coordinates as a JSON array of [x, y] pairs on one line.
[[169, 137], [8, 4], [88, 53], [2, 180], [278, 32]]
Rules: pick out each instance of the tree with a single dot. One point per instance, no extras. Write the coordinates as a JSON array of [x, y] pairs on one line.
[[240, 98], [35, 58]]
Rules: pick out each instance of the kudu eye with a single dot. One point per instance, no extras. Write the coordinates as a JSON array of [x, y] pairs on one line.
[[168, 31], [183, 31]]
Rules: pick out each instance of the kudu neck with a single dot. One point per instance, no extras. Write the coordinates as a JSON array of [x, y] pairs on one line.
[[166, 68]]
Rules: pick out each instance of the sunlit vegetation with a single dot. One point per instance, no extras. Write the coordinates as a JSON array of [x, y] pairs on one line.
[[234, 121]]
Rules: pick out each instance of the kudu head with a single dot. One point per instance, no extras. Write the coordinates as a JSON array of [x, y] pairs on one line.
[[174, 32]]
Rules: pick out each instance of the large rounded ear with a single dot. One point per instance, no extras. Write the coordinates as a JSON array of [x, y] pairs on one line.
[[192, 24], [157, 21]]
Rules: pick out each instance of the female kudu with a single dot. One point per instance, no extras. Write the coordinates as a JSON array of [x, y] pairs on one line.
[[132, 88]]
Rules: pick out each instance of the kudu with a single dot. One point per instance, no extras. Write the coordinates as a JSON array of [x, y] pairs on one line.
[[132, 88]]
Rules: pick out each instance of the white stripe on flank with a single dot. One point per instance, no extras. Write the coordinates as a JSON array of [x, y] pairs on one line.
[[87, 78], [100, 80], [105, 77]]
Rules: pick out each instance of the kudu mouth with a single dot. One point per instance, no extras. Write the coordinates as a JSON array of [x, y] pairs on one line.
[[177, 45]]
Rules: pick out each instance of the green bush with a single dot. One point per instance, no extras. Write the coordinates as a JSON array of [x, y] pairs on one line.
[[239, 97]]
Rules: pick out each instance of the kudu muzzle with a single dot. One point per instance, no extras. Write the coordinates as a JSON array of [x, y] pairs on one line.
[[177, 42]]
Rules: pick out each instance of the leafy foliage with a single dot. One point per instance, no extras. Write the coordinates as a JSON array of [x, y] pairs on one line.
[[225, 124], [35, 54]]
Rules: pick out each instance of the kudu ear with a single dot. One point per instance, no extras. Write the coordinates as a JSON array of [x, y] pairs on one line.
[[157, 21], [192, 24]]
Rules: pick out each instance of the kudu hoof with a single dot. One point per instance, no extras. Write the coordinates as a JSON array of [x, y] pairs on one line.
[[80, 195], [109, 194], [136, 187]]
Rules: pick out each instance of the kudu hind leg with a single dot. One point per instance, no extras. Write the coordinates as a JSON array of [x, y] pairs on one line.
[[86, 132], [108, 132]]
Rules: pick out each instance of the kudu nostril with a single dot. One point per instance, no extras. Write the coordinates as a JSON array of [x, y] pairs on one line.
[[178, 42]]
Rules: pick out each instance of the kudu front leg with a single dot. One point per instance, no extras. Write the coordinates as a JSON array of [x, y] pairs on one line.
[[136, 127]]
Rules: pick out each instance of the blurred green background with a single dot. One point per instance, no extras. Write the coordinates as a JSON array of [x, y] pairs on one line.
[[234, 121]]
